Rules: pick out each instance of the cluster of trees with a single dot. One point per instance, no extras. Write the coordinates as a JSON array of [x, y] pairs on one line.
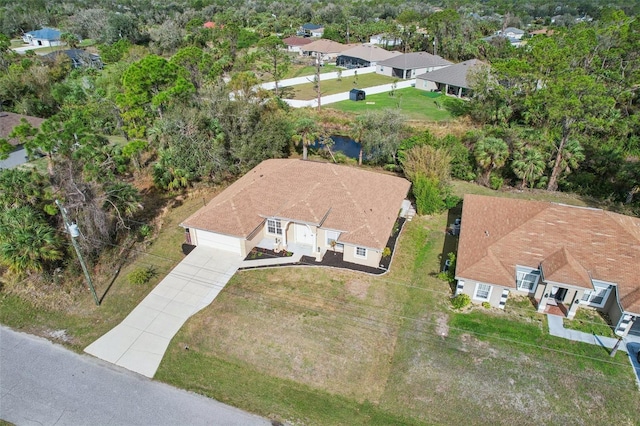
[[565, 109]]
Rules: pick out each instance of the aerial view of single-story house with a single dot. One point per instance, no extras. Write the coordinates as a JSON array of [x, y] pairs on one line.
[[327, 49], [79, 58], [43, 37], [451, 80], [385, 40], [409, 65], [294, 44], [511, 32], [364, 55], [311, 30], [9, 120], [314, 207], [562, 257]]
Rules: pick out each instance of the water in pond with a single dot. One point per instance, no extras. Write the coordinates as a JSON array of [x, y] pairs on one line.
[[343, 144]]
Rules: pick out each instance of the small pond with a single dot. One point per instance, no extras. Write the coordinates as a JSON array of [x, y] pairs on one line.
[[343, 144]]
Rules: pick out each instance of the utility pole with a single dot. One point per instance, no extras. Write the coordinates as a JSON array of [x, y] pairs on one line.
[[72, 229], [615, 348]]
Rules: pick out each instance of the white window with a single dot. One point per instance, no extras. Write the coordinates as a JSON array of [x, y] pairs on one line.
[[274, 226], [361, 252], [527, 279], [483, 291], [331, 237], [598, 296]]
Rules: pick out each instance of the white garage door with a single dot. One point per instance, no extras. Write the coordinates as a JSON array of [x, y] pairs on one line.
[[222, 242]]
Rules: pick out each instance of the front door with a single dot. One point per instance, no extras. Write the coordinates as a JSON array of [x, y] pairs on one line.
[[303, 234], [561, 294]]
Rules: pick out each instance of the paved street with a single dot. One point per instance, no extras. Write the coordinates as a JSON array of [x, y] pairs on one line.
[[45, 384]]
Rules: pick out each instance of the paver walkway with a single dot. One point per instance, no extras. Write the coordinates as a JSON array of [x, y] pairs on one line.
[[139, 342], [630, 344]]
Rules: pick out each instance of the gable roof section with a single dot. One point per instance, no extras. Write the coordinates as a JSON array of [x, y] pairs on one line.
[[369, 52], [362, 204], [413, 60], [572, 244], [45, 34], [454, 75], [311, 27], [296, 41], [9, 120], [326, 46]]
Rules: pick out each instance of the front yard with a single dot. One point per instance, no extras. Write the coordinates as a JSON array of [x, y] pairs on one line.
[[317, 346]]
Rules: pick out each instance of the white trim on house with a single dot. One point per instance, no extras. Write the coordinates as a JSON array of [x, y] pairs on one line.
[[527, 279], [480, 289], [597, 297]]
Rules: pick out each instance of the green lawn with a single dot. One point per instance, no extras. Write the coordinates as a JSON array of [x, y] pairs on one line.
[[331, 87], [414, 103], [309, 70]]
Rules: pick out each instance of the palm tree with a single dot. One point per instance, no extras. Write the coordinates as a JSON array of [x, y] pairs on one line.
[[357, 131], [27, 242], [528, 166], [307, 132], [490, 154]]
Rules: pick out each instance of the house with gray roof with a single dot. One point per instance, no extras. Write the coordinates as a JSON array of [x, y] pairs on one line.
[[43, 37], [410, 65], [79, 58], [8, 121], [452, 80], [364, 55]]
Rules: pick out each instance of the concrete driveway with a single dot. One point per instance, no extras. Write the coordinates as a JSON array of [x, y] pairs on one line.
[[139, 342]]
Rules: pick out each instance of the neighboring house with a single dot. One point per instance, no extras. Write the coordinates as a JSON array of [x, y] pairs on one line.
[[558, 255], [410, 65], [327, 49], [9, 120], [364, 55], [79, 58], [311, 30], [294, 44], [316, 207], [452, 80], [515, 42], [385, 40], [511, 33], [43, 37]]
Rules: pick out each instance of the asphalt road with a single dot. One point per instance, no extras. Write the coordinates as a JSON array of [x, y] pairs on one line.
[[45, 384]]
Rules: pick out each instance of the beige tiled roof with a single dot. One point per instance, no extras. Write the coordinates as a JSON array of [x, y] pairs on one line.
[[369, 52], [326, 46], [362, 204], [573, 244], [415, 60]]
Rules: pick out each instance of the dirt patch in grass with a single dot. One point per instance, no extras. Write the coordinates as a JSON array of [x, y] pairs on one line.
[[358, 288]]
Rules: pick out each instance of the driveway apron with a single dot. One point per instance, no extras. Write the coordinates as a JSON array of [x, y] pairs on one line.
[[139, 342]]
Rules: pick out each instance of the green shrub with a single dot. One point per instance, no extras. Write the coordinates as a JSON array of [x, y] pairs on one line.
[[427, 194], [141, 275], [386, 252], [460, 301], [145, 231], [496, 182], [486, 305]]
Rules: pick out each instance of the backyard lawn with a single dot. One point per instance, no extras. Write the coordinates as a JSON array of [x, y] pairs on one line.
[[331, 87], [415, 104]]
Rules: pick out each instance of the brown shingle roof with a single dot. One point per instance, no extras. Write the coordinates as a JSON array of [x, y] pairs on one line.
[[362, 204], [9, 120], [573, 244], [296, 41]]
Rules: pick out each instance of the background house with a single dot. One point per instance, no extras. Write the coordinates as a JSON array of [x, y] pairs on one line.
[[9, 120], [311, 30], [364, 55], [563, 257], [385, 40], [327, 49], [294, 44], [43, 37], [79, 58], [410, 65], [303, 206], [452, 80]]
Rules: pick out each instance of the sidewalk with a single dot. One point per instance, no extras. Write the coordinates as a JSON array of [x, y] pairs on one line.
[[629, 344]]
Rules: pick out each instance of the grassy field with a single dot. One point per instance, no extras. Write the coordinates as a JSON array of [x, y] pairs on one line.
[[316, 346], [331, 87], [309, 70], [415, 104], [326, 347]]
